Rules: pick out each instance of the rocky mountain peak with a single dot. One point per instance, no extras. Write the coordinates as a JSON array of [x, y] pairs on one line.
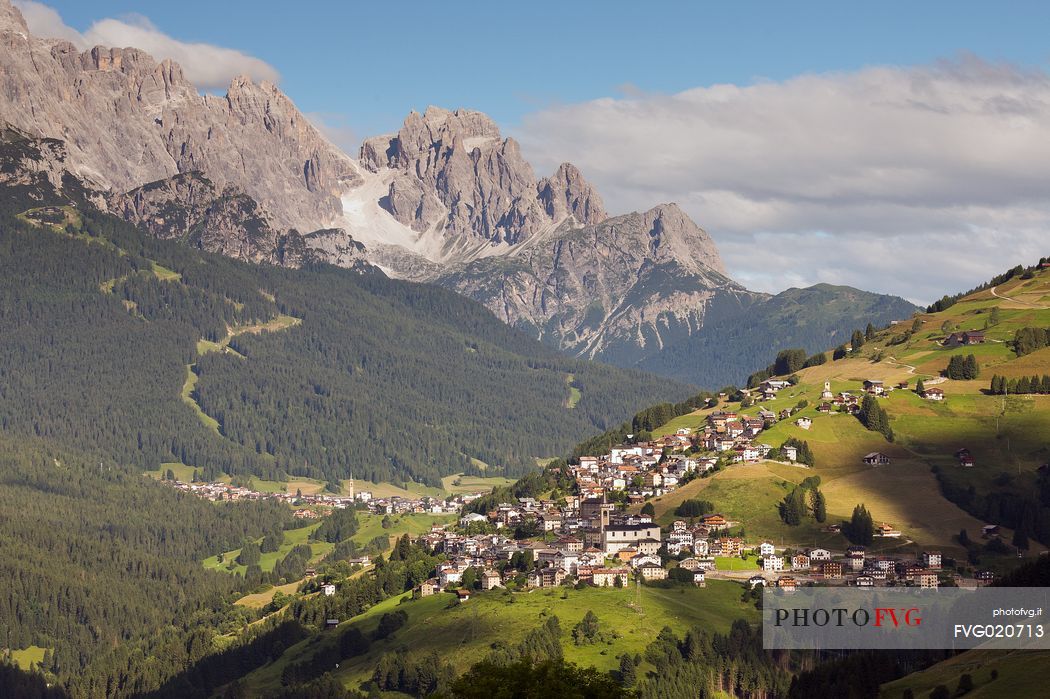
[[128, 119], [453, 172], [567, 193], [673, 235]]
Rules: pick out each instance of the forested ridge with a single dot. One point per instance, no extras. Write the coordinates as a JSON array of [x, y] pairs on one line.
[[389, 380], [736, 339], [100, 565]]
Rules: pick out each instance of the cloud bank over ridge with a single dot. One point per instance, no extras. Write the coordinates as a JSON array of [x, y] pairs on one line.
[[209, 67], [913, 181]]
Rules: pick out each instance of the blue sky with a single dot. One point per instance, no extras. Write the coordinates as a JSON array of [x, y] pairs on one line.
[[901, 147], [371, 62]]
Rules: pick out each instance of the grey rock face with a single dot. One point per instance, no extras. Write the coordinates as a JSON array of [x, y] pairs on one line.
[[29, 160], [454, 172], [128, 120], [543, 254], [568, 194], [192, 208], [229, 222], [335, 247], [619, 281]]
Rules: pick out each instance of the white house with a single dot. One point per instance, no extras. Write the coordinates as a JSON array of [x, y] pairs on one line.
[[773, 563], [620, 536], [874, 387], [490, 579], [819, 555], [472, 517], [804, 422], [766, 549], [449, 576], [681, 538], [746, 452], [328, 589], [933, 394], [568, 561], [706, 463], [617, 454], [643, 559]]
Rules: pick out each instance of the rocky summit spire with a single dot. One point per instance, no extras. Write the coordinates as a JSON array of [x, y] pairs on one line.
[[567, 193], [453, 171]]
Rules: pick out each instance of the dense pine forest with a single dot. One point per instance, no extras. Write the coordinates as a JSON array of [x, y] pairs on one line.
[[102, 566], [388, 380]]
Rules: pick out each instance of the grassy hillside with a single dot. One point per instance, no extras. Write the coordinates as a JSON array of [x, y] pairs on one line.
[[267, 561], [1008, 436], [1018, 674], [464, 633], [26, 658], [370, 527]]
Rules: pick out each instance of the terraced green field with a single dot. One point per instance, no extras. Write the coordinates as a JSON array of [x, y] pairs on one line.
[[371, 526]]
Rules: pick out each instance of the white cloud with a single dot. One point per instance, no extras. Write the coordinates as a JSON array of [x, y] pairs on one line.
[[915, 181], [209, 67], [337, 129]]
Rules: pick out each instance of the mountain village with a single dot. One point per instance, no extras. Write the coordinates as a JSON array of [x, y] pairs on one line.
[[591, 539]]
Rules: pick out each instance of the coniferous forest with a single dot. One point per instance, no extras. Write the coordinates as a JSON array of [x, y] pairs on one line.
[[388, 380]]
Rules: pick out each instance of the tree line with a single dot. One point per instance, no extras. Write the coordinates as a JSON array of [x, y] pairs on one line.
[[142, 543], [804, 499], [1020, 271], [1001, 385]]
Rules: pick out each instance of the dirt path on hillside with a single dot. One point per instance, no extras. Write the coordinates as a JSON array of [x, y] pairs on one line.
[[1023, 303], [894, 362]]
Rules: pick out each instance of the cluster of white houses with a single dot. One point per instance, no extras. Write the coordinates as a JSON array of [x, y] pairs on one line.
[[854, 568], [312, 506], [651, 469], [623, 551], [618, 550]]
